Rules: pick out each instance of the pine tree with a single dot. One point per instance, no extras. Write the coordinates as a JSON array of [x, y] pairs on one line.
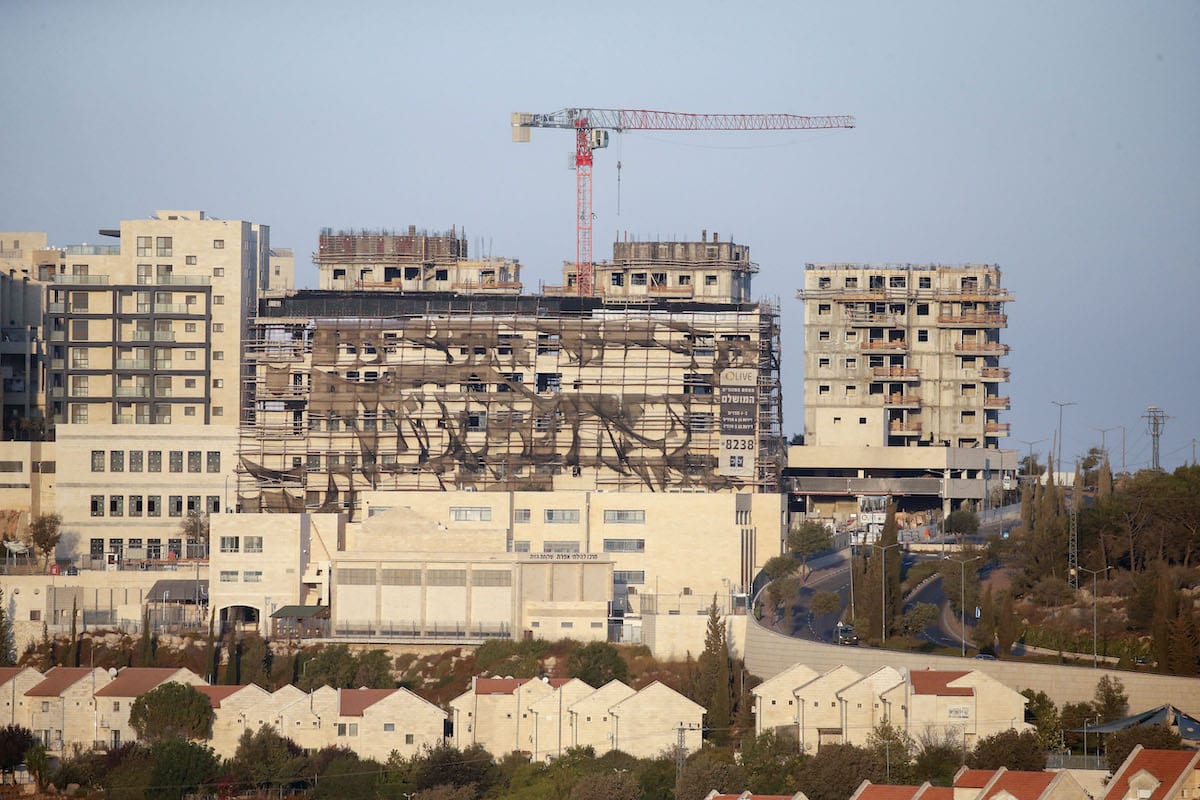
[[1182, 652], [1166, 610], [8, 645], [72, 659], [1007, 625], [713, 677], [1104, 481]]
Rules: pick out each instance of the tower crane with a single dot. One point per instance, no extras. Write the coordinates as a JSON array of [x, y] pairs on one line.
[[592, 126]]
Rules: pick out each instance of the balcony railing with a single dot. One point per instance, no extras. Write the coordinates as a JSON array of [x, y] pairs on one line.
[[140, 336], [183, 280], [994, 373], [875, 320], [997, 402], [975, 320], [58, 363], [902, 400], [171, 308], [898, 345], [132, 391], [133, 363], [58, 336], [56, 308], [900, 428], [996, 428], [895, 372], [82, 280], [981, 347]]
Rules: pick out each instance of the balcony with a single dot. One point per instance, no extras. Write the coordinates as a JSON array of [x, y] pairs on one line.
[[140, 336], [132, 391], [162, 364], [130, 419], [974, 320], [164, 336], [996, 428], [56, 308], [1001, 403], [865, 319], [56, 392], [902, 400], [982, 348], [58, 336], [81, 280], [183, 280], [58, 363], [896, 346], [467, 287], [173, 308], [898, 427], [133, 363], [973, 294], [896, 372], [994, 374]]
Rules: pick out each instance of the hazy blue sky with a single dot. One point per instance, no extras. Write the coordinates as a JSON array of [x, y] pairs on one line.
[[1056, 139]]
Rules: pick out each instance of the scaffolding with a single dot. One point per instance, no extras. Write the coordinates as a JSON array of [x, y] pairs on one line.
[[348, 392]]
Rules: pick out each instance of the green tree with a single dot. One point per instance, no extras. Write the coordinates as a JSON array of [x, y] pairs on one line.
[[8, 646], [1042, 713], [1017, 751], [172, 711], [1007, 625], [714, 682], [145, 649], [195, 528], [937, 759], [1111, 702], [336, 666], [826, 602], [985, 625], [233, 659], [918, 618], [447, 765], [15, 741], [73, 654], [1119, 744], [771, 764], [210, 649], [607, 786], [707, 769], [1166, 610], [836, 770], [37, 761], [180, 767], [809, 539], [44, 534], [1183, 656], [895, 749], [1072, 717], [780, 566], [256, 661], [128, 773], [961, 522], [598, 663], [1104, 481], [345, 774], [264, 759]]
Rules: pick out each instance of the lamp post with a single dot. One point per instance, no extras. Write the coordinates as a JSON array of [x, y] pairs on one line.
[[1061, 405], [883, 622], [1029, 462], [1095, 627], [962, 600]]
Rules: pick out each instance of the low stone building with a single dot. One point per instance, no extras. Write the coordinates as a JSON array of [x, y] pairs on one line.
[[115, 700], [61, 709], [1156, 775]]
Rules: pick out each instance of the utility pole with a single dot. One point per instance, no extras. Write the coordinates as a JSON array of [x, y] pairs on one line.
[[1157, 419], [1061, 405]]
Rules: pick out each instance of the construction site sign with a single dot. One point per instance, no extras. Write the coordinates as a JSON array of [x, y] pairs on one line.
[[739, 422]]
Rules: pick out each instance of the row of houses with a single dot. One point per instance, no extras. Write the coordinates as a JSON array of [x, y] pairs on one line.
[[78, 708], [1144, 775], [844, 706], [544, 717]]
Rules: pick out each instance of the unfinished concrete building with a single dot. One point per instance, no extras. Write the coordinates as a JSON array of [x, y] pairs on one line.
[[902, 387], [416, 261], [435, 391]]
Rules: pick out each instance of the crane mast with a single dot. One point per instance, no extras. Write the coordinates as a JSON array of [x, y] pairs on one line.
[[592, 126]]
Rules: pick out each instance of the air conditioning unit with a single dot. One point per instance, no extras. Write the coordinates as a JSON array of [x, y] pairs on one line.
[[687, 590]]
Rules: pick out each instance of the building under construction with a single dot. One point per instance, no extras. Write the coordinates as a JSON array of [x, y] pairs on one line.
[[406, 389]]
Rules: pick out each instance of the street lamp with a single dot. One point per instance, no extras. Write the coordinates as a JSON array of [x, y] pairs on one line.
[[1061, 405], [1095, 628], [962, 600], [883, 622], [1085, 730]]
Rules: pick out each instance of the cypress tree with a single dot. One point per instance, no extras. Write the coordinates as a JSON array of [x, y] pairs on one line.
[[892, 558], [210, 647], [145, 653], [233, 657], [985, 627], [1104, 481], [1166, 611], [8, 645], [714, 676], [73, 653]]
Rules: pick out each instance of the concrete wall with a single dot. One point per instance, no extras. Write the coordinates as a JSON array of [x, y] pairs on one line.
[[769, 653]]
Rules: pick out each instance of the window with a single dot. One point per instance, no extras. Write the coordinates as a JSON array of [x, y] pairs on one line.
[[189, 355], [922, 335], [823, 362], [230, 544], [638, 279], [189, 327], [824, 283], [389, 727], [562, 515], [193, 504], [851, 363], [154, 461], [176, 461], [549, 381], [145, 245], [218, 327], [922, 309], [629, 577], [79, 413], [218, 355], [193, 461], [618, 517], [568, 624], [116, 461], [624, 545], [897, 282], [214, 461], [823, 336], [116, 506], [218, 299], [163, 246], [229, 576], [710, 280], [553, 546], [97, 505], [408, 738], [218, 272], [823, 389], [253, 544], [851, 390], [175, 505], [135, 505], [97, 461], [824, 309], [190, 261], [851, 336], [154, 549], [218, 383], [924, 283], [154, 506], [470, 514], [79, 330], [252, 576], [218, 244], [521, 515], [189, 383]]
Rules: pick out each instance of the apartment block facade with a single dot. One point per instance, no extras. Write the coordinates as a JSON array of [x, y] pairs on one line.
[[904, 355]]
